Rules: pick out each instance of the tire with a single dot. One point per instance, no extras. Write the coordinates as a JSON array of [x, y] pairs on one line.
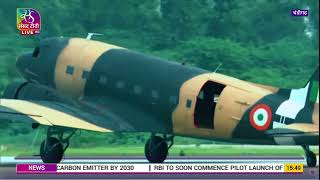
[[53, 152], [157, 151], [311, 159]]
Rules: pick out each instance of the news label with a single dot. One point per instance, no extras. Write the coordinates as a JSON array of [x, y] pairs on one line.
[[157, 168]]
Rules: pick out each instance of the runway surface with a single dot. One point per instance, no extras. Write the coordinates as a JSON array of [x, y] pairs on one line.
[[8, 171]]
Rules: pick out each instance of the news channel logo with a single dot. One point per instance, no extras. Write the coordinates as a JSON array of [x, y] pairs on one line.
[[299, 12], [28, 21]]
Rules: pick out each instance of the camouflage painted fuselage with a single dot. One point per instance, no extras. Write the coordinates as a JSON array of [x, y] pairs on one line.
[[161, 96]]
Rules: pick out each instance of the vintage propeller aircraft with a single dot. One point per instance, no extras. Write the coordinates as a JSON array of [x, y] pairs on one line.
[[75, 83]]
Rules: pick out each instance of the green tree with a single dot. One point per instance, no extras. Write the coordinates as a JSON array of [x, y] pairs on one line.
[[257, 22], [184, 19]]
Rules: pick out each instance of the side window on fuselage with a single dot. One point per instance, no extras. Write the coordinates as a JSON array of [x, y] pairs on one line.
[[154, 94], [120, 85], [103, 80], [85, 74], [69, 70], [137, 89]]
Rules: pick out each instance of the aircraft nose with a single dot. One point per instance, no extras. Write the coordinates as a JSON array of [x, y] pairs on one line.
[[23, 62]]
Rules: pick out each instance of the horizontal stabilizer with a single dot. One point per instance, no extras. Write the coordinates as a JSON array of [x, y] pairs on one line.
[[296, 134]]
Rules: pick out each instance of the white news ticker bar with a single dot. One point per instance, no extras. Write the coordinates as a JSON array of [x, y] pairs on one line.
[[171, 168]]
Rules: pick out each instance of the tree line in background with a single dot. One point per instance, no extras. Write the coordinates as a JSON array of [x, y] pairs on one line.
[[255, 40]]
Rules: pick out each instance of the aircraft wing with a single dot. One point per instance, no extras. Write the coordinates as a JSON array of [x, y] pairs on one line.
[[91, 114], [48, 113], [296, 133]]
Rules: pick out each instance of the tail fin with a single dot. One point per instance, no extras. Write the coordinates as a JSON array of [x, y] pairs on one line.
[[301, 103], [313, 88]]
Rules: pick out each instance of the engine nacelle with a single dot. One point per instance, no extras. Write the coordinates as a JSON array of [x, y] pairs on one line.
[[29, 91], [12, 90]]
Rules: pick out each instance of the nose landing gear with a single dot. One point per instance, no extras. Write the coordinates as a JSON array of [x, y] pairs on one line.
[[52, 148], [311, 158], [156, 148]]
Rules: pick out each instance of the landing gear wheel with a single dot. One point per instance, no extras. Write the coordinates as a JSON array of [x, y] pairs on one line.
[[51, 150], [311, 159], [156, 149]]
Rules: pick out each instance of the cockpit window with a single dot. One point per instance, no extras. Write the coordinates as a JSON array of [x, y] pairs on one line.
[[36, 52]]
